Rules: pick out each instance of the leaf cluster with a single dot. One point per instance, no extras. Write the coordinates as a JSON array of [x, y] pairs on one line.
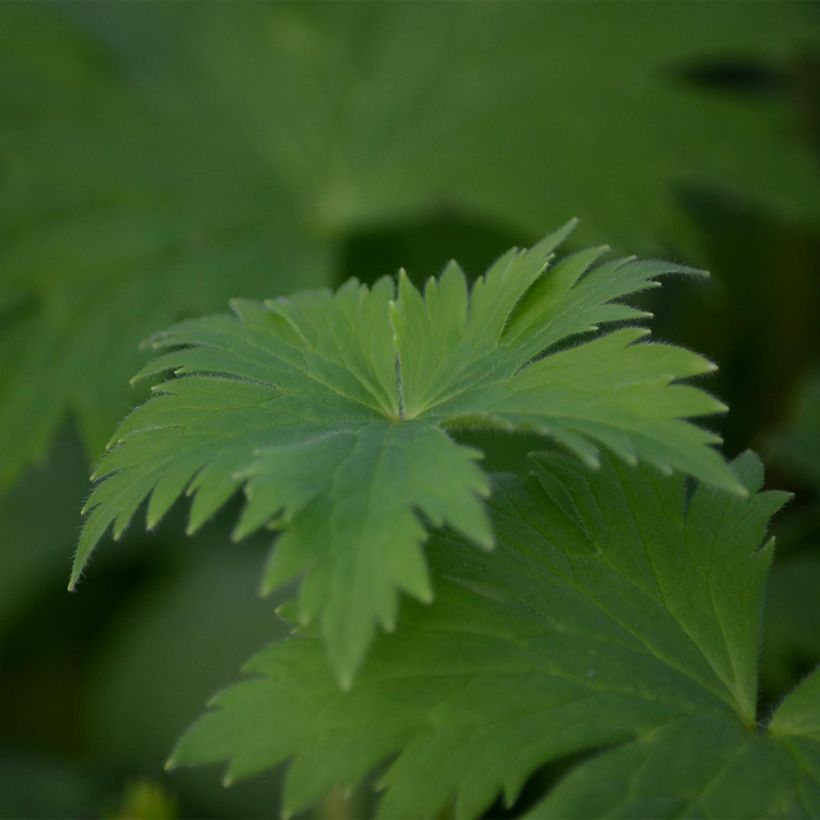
[[332, 412], [609, 608], [601, 616]]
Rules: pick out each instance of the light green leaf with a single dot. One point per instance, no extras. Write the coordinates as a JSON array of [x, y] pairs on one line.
[[331, 411], [156, 162], [618, 616], [799, 715]]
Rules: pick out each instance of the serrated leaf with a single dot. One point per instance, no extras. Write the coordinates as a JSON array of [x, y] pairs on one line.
[[331, 411], [150, 177], [617, 616]]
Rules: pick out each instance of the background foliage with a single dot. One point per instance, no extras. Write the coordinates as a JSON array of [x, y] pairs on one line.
[[156, 160]]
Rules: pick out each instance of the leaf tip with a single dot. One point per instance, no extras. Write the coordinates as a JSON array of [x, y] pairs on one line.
[[487, 542], [741, 491]]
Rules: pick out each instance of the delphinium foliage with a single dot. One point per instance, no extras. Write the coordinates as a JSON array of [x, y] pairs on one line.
[[598, 605], [157, 161]]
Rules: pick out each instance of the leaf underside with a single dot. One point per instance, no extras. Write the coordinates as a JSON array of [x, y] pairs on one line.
[[618, 621], [332, 410]]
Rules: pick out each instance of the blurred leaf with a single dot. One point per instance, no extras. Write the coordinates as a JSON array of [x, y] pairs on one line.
[[34, 547], [158, 159], [178, 641], [615, 617], [797, 445], [792, 632], [145, 800], [182, 638], [122, 208], [331, 412], [37, 788]]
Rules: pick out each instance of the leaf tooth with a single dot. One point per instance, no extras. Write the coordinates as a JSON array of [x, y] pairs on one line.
[[345, 679]]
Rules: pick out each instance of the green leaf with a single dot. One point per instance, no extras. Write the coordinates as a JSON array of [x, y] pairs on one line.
[[331, 411], [617, 624], [231, 152]]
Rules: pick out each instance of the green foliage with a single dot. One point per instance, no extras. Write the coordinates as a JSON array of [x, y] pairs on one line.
[[124, 206], [793, 603], [33, 545], [230, 150], [144, 800], [158, 160], [797, 445], [617, 615], [331, 411], [792, 618]]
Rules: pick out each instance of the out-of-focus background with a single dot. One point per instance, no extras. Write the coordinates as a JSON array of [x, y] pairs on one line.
[[158, 159]]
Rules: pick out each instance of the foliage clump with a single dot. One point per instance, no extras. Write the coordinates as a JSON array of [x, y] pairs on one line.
[[609, 609], [332, 412]]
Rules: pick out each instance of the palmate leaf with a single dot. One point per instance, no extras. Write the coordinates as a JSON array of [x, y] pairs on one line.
[[332, 411], [617, 624], [148, 178]]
